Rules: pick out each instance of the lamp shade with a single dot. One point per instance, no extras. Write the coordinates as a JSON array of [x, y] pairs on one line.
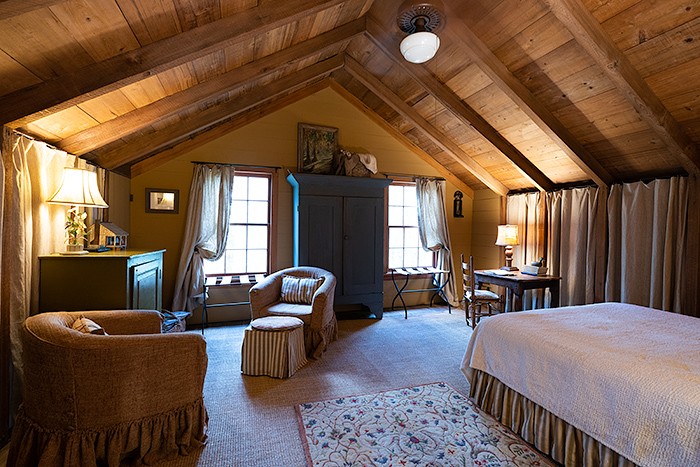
[[420, 47], [507, 235], [78, 188]]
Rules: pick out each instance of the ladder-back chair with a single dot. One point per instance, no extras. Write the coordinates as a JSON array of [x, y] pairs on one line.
[[474, 299]]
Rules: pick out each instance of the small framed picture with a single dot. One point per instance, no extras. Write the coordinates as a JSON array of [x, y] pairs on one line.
[[317, 146], [160, 200]]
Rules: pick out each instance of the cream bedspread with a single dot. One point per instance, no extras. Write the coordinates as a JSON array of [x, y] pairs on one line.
[[626, 375]]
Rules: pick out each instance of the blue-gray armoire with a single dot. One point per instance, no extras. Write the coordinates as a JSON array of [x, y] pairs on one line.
[[339, 227]]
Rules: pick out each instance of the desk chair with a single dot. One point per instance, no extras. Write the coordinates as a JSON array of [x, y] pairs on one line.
[[474, 299]]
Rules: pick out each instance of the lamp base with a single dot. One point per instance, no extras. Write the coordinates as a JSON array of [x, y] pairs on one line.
[[509, 268]]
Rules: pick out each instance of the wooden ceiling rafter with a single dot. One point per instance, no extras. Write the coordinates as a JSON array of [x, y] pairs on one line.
[[436, 136], [591, 36], [389, 128], [459, 33], [100, 135], [151, 143], [389, 44], [46, 98], [267, 106]]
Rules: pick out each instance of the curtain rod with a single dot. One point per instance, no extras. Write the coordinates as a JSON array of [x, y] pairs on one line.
[[237, 165], [387, 175]]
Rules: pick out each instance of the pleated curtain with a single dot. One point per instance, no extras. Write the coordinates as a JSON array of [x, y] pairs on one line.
[[433, 231], [523, 210], [571, 245], [206, 230], [31, 172], [647, 236]]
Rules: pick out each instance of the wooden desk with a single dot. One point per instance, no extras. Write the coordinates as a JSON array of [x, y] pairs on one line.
[[517, 284]]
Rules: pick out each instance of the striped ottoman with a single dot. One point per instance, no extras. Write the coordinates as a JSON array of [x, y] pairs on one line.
[[273, 346]]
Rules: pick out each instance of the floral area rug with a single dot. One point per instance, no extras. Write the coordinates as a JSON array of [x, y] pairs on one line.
[[431, 425]]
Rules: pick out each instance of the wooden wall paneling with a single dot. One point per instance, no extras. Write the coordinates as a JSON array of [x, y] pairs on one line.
[[509, 84], [98, 26], [195, 14], [62, 124], [354, 100], [327, 19], [554, 67], [151, 142], [217, 131], [98, 136], [592, 37], [691, 276], [604, 9], [79, 85], [438, 138], [231, 7], [586, 84], [503, 21], [390, 47], [468, 81], [677, 80], [107, 107], [14, 76], [12, 8]]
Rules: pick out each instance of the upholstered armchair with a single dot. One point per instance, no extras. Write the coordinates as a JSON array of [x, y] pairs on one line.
[[320, 325], [129, 397]]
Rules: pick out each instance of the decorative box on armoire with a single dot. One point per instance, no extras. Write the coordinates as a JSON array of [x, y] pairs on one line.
[[110, 280], [339, 227]]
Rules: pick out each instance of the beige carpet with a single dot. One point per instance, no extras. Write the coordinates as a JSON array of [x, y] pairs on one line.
[[252, 421]]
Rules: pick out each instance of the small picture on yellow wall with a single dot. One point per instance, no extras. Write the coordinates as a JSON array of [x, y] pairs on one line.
[[163, 201], [317, 145]]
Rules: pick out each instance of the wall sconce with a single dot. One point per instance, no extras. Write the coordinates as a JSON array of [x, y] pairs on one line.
[[78, 188], [508, 237], [420, 20]]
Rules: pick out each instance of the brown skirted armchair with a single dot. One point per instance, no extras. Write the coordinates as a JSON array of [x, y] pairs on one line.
[[320, 325], [131, 397]]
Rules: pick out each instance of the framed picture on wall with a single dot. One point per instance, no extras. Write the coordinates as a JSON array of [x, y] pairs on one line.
[[317, 145], [163, 201]]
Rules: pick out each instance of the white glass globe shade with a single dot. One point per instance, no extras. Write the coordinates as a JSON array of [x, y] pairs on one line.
[[420, 47]]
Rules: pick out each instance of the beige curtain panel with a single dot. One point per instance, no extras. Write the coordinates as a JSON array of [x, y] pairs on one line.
[[523, 210], [647, 224], [433, 231], [206, 230]]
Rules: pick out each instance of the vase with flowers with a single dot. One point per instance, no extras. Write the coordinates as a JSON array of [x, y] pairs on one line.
[[76, 231]]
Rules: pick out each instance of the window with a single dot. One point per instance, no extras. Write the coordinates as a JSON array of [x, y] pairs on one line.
[[405, 249], [248, 246]]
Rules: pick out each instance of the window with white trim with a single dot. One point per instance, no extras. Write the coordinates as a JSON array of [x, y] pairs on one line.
[[249, 242], [405, 250]]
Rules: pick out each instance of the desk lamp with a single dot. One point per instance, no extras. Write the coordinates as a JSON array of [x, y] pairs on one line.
[[78, 188], [507, 237]]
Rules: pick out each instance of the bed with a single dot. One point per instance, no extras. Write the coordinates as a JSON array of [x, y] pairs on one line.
[[608, 384]]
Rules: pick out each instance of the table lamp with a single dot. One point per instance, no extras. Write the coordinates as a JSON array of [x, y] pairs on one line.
[[78, 188], [507, 237]]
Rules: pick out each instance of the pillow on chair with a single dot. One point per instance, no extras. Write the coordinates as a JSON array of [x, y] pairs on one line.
[[88, 326], [299, 289]]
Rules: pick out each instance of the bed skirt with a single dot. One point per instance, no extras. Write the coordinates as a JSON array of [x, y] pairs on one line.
[[548, 433]]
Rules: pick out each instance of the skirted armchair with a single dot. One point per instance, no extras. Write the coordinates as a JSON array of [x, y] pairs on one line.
[[320, 325], [131, 397]]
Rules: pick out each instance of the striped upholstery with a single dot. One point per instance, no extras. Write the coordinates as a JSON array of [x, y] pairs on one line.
[[276, 353], [299, 289]]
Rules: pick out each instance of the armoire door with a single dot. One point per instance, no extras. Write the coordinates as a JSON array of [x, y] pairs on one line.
[[362, 241]]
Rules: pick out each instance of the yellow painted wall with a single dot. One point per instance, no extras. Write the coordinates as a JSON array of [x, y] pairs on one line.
[[485, 220], [272, 141]]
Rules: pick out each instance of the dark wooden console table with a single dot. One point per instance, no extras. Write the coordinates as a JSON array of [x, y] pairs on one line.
[[517, 284]]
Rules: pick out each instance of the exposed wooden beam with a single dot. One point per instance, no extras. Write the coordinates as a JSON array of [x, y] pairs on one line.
[[389, 44], [590, 35], [209, 134], [112, 130], [12, 8], [389, 128], [461, 35], [436, 136], [46, 98], [150, 143]]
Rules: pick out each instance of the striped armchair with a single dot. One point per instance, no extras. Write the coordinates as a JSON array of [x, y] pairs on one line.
[[320, 325]]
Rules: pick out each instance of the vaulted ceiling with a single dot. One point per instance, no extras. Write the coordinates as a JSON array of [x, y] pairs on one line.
[[523, 94]]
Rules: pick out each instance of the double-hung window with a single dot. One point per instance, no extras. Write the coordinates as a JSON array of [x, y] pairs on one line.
[[250, 236], [405, 250]]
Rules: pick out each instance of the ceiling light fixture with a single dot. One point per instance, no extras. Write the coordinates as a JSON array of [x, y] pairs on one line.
[[421, 21]]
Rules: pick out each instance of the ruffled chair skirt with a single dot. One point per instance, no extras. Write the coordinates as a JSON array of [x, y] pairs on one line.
[[140, 442], [316, 341], [550, 434]]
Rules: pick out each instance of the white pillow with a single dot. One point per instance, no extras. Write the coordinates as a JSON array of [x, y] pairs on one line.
[[299, 289], [88, 326]]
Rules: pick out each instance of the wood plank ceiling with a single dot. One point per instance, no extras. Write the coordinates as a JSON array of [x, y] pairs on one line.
[[522, 95]]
